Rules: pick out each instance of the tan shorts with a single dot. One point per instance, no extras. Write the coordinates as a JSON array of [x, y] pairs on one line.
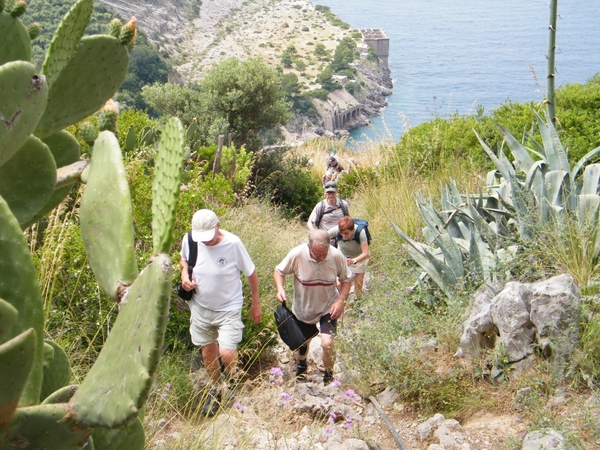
[[359, 267], [207, 326]]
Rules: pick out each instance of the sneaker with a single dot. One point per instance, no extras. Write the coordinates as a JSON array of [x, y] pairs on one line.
[[301, 369], [327, 378], [212, 403]]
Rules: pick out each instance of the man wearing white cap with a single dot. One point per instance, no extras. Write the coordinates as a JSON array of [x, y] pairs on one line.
[[216, 305]]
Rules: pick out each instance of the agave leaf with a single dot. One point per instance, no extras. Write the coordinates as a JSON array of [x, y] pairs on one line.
[[505, 168], [449, 199], [442, 268], [480, 225], [430, 216], [427, 261], [584, 160], [591, 179], [466, 231], [475, 261], [535, 176], [555, 187], [523, 161], [452, 255], [492, 178], [539, 148], [553, 149], [587, 210]]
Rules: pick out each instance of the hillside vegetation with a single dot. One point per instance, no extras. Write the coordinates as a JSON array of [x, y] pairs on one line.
[[265, 195], [266, 211]]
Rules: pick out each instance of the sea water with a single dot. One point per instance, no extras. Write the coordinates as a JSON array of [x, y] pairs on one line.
[[449, 56]]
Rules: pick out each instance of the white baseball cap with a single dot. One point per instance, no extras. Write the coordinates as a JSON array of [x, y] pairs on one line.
[[204, 225]]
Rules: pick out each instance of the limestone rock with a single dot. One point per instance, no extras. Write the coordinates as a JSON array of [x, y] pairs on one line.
[[524, 315]]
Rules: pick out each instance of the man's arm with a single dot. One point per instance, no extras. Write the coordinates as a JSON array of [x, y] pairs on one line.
[[255, 309], [187, 283], [279, 283], [338, 307]]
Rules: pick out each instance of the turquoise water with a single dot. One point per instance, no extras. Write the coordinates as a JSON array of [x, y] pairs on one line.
[[450, 56]]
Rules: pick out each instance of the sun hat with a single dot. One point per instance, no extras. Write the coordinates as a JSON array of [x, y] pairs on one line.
[[330, 186], [204, 224]]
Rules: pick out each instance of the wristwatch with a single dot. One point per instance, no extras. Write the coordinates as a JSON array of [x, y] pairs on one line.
[[354, 261]]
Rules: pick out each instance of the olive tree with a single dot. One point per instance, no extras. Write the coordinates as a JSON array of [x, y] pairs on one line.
[[248, 95]]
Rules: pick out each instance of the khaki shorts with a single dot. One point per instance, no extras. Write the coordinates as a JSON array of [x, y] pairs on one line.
[[207, 326], [359, 267]]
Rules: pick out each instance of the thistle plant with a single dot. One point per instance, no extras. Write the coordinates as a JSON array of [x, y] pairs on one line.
[[39, 163]]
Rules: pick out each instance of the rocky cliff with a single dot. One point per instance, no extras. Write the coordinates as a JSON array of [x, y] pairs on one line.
[[197, 34]]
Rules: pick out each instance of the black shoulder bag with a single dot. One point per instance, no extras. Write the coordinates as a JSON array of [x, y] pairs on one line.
[[187, 295], [288, 327]]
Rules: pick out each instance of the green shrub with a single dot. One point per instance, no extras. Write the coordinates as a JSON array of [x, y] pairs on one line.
[[321, 94], [350, 183], [282, 178], [440, 142]]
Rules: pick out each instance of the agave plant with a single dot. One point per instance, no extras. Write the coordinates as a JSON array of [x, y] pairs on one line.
[[539, 181], [469, 230]]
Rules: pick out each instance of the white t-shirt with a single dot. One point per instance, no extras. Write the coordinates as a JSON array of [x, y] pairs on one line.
[[315, 288], [217, 273]]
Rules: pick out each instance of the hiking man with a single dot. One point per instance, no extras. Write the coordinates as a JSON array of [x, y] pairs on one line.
[[356, 253], [328, 212], [316, 266], [216, 306], [334, 170]]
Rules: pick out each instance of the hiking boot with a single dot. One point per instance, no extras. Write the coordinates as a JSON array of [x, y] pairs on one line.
[[301, 370], [212, 403], [327, 378]]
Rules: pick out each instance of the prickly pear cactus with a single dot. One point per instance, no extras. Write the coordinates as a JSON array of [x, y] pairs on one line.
[[39, 163]]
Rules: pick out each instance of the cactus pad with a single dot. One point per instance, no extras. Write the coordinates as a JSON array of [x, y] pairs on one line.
[[8, 317], [44, 427], [23, 96], [88, 132], [165, 187], [131, 139], [15, 44], [65, 149], [107, 217], [16, 359], [20, 288], [63, 395], [66, 38], [90, 78], [130, 437], [119, 381], [27, 180], [57, 371]]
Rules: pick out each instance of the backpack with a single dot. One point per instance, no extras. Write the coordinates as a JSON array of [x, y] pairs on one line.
[[193, 256], [321, 211], [361, 224]]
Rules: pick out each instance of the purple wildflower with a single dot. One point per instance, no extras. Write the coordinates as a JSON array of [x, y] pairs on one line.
[[351, 394], [240, 407]]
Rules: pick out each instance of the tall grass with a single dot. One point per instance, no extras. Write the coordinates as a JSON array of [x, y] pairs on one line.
[[574, 247]]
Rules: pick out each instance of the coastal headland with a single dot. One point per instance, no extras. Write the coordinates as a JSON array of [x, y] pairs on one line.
[[195, 38]]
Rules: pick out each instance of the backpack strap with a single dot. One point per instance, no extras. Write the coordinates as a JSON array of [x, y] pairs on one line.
[[359, 228], [344, 207], [193, 253], [320, 212]]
